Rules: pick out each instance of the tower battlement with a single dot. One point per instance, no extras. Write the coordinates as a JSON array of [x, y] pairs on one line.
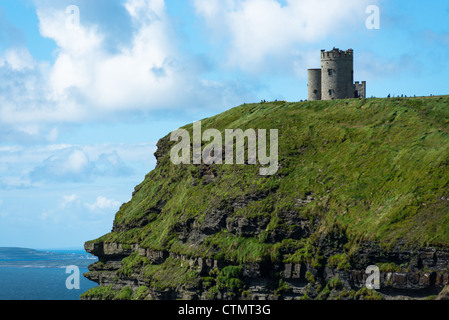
[[335, 79], [337, 54]]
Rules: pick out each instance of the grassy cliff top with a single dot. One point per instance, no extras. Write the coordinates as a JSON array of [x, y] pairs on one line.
[[362, 170]]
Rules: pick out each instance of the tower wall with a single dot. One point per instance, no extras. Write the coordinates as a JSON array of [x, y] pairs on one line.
[[314, 84], [337, 74], [360, 90]]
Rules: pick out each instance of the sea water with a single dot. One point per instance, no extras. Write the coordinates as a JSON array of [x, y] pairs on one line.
[[39, 284], [44, 277]]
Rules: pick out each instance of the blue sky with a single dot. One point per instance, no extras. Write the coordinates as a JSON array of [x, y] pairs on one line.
[[83, 105]]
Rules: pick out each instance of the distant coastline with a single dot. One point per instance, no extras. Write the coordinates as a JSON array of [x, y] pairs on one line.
[[29, 258]]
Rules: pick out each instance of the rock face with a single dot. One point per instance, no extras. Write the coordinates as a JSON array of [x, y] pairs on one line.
[[308, 232], [423, 274]]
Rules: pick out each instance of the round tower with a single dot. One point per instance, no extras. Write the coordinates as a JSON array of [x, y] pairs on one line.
[[314, 84], [337, 74]]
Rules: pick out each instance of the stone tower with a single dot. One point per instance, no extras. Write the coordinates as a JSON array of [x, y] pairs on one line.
[[314, 84], [337, 74], [335, 79]]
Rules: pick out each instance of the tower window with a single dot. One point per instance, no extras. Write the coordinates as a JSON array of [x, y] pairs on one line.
[[315, 91], [330, 92], [330, 72]]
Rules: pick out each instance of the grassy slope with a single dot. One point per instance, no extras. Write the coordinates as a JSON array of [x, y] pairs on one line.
[[377, 168]]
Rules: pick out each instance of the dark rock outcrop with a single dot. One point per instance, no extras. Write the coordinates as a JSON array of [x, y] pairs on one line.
[[421, 274]]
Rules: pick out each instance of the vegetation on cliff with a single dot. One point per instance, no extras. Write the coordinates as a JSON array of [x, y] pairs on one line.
[[350, 172]]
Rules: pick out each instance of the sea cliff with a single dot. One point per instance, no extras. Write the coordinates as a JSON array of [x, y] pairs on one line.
[[360, 183]]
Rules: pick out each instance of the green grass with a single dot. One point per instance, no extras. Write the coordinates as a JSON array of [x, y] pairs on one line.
[[132, 263], [124, 294], [229, 278], [171, 274], [100, 293], [377, 168], [339, 261]]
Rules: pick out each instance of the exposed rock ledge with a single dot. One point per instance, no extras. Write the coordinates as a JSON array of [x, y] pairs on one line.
[[424, 273]]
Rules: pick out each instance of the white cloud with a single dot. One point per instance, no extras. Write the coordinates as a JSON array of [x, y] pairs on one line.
[[18, 59], [123, 80], [67, 200], [31, 166], [63, 211], [103, 203], [85, 70], [74, 164], [70, 165], [262, 29], [89, 81]]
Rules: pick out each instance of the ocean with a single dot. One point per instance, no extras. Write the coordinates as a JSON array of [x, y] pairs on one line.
[[27, 274]]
